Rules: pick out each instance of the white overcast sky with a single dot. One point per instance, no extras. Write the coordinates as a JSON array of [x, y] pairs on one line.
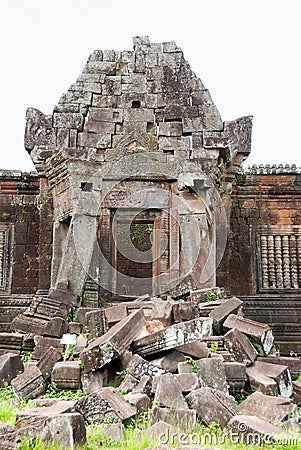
[[246, 52]]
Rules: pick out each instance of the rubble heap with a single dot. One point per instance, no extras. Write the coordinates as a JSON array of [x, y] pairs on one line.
[[188, 357]]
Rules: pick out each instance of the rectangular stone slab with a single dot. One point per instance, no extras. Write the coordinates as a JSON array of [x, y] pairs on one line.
[[30, 384], [259, 333], [280, 374], [113, 343], [179, 334], [47, 361], [221, 312], [105, 405], [240, 346]]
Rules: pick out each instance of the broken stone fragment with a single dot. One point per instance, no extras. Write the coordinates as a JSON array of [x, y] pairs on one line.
[[56, 327], [113, 343], [183, 311], [59, 407], [96, 323], [260, 334], [257, 381], [43, 343], [64, 296], [81, 343], [170, 361], [138, 366], [62, 429], [276, 373], [212, 405], [221, 312], [75, 328], [65, 375], [162, 311], [29, 384], [182, 419], [187, 381], [292, 362], [195, 349], [10, 365], [297, 392], [210, 371], [115, 314], [173, 336], [141, 401], [92, 381], [236, 375], [269, 408], [159, 432], [105, 405], [144, 385], [240, 346], [47, 361], [11, 342], [252, 430], [128, 383], [169, 393]]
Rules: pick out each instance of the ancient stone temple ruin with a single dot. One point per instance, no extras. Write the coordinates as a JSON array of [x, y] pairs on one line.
[[139, 189]]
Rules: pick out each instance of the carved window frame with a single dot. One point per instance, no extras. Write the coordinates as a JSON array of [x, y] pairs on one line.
[[6, 233], [278, 258]]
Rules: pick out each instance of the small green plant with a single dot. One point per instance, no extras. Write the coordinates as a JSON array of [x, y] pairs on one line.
[[68, 352], [214, 347], [81, 365], [73, 316], [194, 367], [121, 375], [25, 357], [53, 392], [211, 296]]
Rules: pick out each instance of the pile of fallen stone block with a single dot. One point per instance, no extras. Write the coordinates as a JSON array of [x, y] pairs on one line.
[[177, 360]]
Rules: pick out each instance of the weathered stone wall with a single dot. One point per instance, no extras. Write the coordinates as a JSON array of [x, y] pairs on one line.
[[25, 241], [264, 202], [262, 262]]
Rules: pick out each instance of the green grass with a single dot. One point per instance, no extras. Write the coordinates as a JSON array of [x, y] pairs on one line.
[[201, 436]]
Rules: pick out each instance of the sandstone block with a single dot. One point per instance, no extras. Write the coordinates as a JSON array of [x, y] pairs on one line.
[[139, 400], [221, 312], [275, 372], [64, 430], [113, 343], [169, 393], [10, 365], [240, 346], [30, 384], [92, 381], [47, 361], [173, 336], [252, 430], [260, 334], [66, 375], [212, 405], [269, 408], [182, 419], [195, 349], [105, 405]]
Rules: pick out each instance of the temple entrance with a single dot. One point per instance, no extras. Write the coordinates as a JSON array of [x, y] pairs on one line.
[[135, 251]]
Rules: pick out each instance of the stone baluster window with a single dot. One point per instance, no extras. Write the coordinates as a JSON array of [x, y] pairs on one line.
[[279, 257]]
